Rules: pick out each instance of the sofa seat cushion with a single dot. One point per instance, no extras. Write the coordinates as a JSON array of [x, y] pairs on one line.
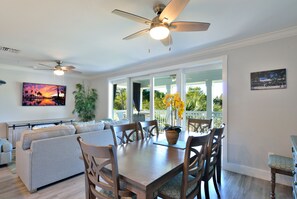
[[60, 130], [88, 127]]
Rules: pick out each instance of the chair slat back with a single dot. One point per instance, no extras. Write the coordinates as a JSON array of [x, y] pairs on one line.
[[96, 158], [199, 125], [150, 128], [126, 133], [193, 167], [213, 151]]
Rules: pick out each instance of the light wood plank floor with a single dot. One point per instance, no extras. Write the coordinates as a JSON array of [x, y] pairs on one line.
[[234, 186]]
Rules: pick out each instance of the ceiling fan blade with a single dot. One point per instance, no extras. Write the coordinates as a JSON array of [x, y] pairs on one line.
[[132, 16], [73, 71], [45, 65], [183, 26], [172, 10], [44, 69], [67, 67], [167, 41], [137, 34]]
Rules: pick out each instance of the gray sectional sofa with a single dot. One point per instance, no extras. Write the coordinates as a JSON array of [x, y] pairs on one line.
[[50, 154]]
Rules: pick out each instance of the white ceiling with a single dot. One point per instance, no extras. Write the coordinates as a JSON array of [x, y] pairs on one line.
[[85, 33]]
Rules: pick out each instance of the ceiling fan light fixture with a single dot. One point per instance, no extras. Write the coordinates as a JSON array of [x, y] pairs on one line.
[[59, 72], [159, 32]]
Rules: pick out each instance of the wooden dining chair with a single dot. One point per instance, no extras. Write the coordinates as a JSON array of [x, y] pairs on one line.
[[187, 184], [126, 133], [99, 182], [211, 160], [149, 128], [199, 125]]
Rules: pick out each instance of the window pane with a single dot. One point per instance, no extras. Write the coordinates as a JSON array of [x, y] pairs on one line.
[[162, 86], [217, 93], [120, 101], [141, 100]]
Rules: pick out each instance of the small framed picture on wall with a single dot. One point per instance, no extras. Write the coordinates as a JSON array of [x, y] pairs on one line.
[[271, 79]]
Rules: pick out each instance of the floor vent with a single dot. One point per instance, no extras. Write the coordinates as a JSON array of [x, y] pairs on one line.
[[10, 50]]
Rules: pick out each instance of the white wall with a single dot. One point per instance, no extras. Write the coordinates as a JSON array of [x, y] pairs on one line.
[[11, 108], [101, 84], [259, 122]]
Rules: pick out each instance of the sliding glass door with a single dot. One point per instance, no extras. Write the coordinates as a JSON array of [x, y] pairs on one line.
[[141, 98], [204, 95]]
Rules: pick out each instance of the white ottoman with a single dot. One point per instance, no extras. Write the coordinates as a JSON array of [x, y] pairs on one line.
[[5, 151]]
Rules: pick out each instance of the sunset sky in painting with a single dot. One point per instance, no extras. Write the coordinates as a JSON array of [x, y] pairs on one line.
[[45, 89]]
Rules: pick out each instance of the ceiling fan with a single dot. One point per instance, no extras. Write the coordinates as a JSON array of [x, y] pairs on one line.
[[59, 69], [163, 23]]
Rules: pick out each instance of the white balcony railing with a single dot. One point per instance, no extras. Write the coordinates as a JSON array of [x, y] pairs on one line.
[[160, 115]]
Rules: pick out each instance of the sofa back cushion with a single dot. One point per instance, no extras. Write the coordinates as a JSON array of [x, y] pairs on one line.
[[108, 124], [88, 127], [60, 130]]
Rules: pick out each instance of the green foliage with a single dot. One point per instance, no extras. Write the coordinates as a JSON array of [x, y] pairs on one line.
[[159, 105], [196, 100], [85, 102], [159, 96], [218, 103], [120, 99], [146, 99]]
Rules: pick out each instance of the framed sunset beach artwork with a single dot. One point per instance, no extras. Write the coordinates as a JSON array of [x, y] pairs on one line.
[[43, 94]]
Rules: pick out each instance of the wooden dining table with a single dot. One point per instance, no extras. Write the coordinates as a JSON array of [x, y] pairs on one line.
[[144, 166]]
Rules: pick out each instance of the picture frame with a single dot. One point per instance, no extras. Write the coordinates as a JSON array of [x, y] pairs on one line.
[[34, 94], [270, 79]]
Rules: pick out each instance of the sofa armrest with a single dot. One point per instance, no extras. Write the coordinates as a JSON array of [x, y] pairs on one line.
[[23, 165]]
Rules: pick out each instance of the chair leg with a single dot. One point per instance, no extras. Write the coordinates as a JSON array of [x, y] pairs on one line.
[[87, 188], [219, 166], [199, 192], [216, 186], [206, 190], [272, 194]]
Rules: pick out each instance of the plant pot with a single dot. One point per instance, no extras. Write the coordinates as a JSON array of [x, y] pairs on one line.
[[171, 136]]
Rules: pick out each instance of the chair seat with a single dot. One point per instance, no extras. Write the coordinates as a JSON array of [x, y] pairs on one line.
[[172, 188], [280, 162], [109, 194]]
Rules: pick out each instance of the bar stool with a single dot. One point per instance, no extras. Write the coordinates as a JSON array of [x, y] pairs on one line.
[[281, 165]]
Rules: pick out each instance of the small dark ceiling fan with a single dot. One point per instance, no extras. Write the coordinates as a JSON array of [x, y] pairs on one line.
[[163, 23], [59, 69]]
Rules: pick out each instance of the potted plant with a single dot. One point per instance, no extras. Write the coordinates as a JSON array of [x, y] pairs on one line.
[[177, 108], [85, 102]]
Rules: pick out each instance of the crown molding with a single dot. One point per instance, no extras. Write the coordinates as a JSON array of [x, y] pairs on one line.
[[262, 38]]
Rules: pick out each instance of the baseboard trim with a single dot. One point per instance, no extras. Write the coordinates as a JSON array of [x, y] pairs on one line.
[[257, 173]]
